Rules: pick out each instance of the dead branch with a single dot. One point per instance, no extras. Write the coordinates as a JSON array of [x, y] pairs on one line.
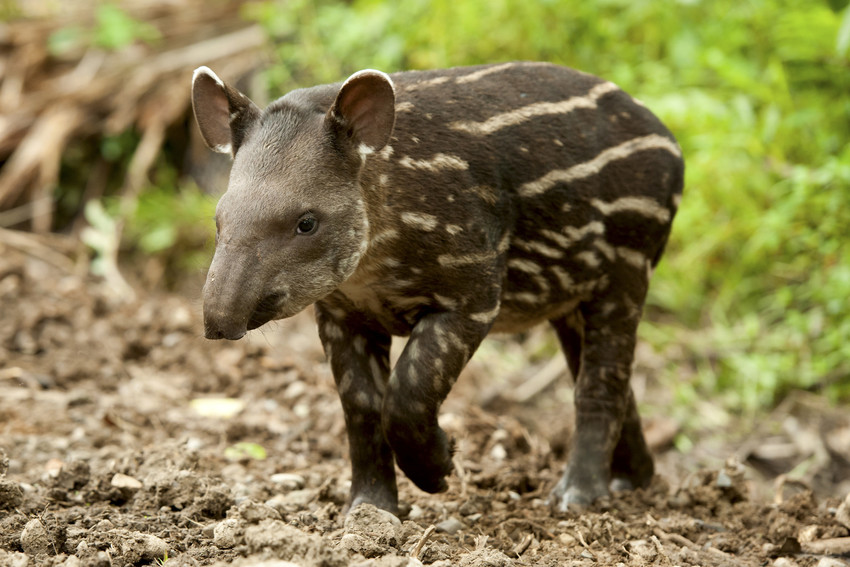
[[49, 102]]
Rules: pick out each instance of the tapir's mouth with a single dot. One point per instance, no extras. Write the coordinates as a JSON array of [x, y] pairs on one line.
[[266, 310]]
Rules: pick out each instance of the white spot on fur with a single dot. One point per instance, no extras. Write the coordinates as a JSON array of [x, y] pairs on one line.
[[446, 302], [644, 206], [333, 331], [383, 237], [477, 75], [592, 167], [421, 221], [522, 297], [486, 317], [564, 279], [525, 113], [377, 375], [345, 382], [451, 261], [405, 106], [606, 249], [632, 257], [386, 153], [589, 258], [439, 162], [453, 229], [539, 248], [524, 265]]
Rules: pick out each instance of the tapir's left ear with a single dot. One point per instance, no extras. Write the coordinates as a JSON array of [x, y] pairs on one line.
[[365, 108], [224, 115]]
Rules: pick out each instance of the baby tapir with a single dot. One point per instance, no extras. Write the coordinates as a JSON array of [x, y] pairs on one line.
[[444, 205]]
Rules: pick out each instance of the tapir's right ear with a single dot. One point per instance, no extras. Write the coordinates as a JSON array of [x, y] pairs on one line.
[[224, 115]]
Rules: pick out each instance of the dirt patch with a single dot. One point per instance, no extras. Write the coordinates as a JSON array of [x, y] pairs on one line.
[[128, 439]]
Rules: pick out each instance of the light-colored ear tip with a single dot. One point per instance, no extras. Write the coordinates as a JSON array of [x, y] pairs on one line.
[[373, 73], [204, 70]]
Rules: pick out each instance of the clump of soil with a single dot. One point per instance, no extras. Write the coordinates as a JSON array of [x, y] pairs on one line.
[[128, 439]]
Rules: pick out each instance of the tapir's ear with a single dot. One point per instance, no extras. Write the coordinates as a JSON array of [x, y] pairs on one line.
[[365, 108], [224, 114]]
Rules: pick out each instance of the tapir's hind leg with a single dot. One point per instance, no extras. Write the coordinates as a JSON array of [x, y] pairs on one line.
[[608, 442], [631, 466]]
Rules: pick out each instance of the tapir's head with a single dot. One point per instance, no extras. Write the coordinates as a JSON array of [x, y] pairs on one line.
[[292, 225]]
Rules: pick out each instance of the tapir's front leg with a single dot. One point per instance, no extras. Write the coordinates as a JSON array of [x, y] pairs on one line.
[[439, 347], [359, 359]]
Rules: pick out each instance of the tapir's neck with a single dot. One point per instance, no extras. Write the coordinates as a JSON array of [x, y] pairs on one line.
[[375, 189]]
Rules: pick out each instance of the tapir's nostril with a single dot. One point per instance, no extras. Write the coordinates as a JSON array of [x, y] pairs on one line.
[[213, 334]]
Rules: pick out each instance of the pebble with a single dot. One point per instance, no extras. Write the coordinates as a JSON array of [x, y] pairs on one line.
[[227, 534], [415, 513], [831, 562], [842, 514], [450, 526], [34, 538], [124, 481], [288, 481]]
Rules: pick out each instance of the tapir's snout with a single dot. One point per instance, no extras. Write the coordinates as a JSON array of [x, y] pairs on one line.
[[215, 330], [229, 298]]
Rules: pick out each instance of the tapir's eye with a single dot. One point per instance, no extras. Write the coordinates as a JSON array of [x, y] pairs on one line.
[[307, 225]]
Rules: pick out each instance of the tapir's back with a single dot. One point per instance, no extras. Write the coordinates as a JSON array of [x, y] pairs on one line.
[[562, 169]]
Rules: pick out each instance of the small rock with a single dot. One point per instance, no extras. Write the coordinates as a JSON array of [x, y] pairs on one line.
[[723, 480], [843, 512], [807, 534], [373, 524], [14, 559], [72, 561], [416, 512], [784, 562], [148, 546], [124, 481], [831, 562], [299, 499], [11, 495], [288, 481], [366, 547], [643, 549], [254, 512], [34, 538], [485, 558], [227, 534], [450, 526]]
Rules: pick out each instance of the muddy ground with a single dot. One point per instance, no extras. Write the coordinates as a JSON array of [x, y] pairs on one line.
[[131, 440]]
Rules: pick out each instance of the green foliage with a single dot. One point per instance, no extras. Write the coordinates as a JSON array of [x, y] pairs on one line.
[[244, 450], [755, 281]]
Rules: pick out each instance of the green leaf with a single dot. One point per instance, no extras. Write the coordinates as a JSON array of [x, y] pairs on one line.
[[245, 450]]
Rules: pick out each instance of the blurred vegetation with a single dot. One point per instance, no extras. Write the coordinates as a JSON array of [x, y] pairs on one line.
[[751, 300]]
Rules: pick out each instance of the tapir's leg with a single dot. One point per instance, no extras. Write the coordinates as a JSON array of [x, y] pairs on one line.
[[570, 329], [439, 347], [631, 465], [359, 359], [603, 396]]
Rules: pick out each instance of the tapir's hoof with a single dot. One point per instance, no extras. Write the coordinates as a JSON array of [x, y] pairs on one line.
[[427, 467], [575, 494]]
